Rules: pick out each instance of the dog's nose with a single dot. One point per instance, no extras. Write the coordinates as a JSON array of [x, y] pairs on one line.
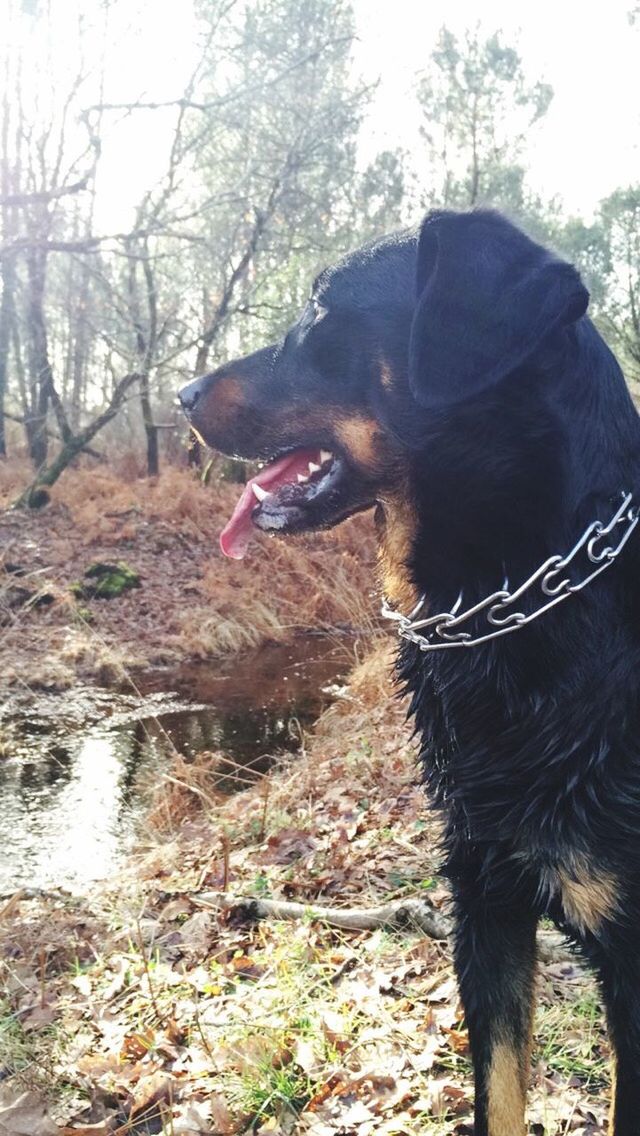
[[190, 394]]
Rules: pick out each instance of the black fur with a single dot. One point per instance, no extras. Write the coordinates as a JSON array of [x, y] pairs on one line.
[[514, 429]]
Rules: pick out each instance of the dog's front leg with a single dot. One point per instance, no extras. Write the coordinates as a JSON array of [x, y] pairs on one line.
[[615, 953], [495, 951]]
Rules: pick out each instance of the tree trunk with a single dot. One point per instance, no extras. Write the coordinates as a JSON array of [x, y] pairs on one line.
[[40, 372], [146, 341], [48, 475], [80, 351], [80, 324], [7, 264], [475, 161], [6, 303], [194, 451], [150, 428]]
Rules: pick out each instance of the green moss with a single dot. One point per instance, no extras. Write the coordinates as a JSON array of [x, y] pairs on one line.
[[104, 581], [83, 614]]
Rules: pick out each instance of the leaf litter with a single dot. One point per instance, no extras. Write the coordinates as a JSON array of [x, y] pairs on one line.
[[136, 1011]]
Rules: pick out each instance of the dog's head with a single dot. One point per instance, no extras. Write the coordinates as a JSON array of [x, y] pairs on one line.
[[397, 334]]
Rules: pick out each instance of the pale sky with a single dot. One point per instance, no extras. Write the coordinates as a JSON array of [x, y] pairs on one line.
[[587, 143], [585, 146]]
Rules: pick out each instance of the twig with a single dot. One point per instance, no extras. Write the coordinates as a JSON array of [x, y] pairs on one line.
[[152, 995], [45, 195], [43, 976], [58, 896], [265, 808], [203, 1037], [412, 914], [225, 860], [416, 913]]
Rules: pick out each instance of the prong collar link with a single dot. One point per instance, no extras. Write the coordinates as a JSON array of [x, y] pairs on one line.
[[499, 612]]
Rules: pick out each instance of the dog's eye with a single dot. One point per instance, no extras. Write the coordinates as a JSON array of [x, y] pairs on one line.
[[312, 314]]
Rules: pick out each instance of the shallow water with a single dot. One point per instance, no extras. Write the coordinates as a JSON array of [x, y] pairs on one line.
[[75, 766]]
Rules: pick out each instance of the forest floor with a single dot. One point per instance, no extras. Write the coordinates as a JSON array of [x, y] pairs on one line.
[[192, 603], [145, 1007]]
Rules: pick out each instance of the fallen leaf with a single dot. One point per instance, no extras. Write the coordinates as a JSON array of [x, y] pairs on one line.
[[39, 1018], [150, 1094], [305, 1056], [82, 983], [222, 1119], [334, 1026], [444, 992], [458, 1039], [287, 846], [137, 1044], [246, 968], [175, 908], [120, 968], [192, 1119], [195, 935], [24, 1115]]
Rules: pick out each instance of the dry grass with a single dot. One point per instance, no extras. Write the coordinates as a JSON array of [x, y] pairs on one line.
[[15, 474], [285, 588], [360, 744], [367, 709], [194, 604]]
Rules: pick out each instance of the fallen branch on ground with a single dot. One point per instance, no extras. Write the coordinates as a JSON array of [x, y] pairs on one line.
[[407, 914]]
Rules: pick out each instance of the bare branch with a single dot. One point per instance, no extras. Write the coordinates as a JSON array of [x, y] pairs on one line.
[[48, 475], [22, 420], [46, 195], [85, 244], [223, 100]]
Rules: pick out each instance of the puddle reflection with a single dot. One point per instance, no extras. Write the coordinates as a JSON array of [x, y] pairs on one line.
[[70, 793]]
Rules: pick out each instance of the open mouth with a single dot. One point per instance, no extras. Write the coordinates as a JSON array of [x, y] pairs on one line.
[[305, 489]]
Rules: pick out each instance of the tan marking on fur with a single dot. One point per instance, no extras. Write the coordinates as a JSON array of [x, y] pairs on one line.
[[363, 441], [227, 396], [397, 534], [373, 452], [197, 434], [506, 1093], [386, 375], [588, 897]]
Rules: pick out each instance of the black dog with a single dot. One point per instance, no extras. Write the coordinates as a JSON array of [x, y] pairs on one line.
[[452, 379]]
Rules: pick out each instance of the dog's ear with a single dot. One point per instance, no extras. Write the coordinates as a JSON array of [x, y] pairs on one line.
[[487, 298]]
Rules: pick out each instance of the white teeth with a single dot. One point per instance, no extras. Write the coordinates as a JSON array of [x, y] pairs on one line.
[[325, 455], [313, 468], [259, 492], [301, 477]]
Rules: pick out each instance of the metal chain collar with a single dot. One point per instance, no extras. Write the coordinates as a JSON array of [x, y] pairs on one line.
[[438, 632]]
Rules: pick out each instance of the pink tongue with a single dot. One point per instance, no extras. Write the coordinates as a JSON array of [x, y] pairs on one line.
[[237, 533]]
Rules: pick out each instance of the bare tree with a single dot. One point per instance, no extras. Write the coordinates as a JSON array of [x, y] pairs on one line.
[[256, 193]]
